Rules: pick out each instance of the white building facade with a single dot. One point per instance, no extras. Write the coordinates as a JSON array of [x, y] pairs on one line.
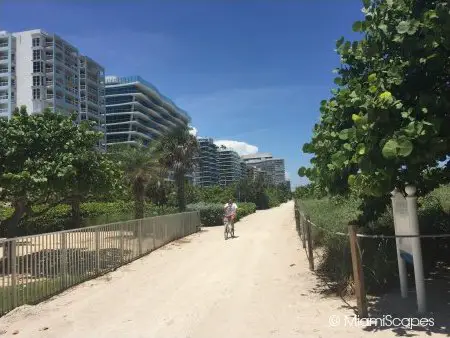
[[45, 71], [136, 112]]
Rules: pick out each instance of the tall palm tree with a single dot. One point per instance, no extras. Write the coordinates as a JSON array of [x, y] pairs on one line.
[[177, 151], [140, 166]]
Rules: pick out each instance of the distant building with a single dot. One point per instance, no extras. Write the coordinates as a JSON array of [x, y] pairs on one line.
[[136, 112], [41, 70], [207, 172], [274, 167], [229, 166]]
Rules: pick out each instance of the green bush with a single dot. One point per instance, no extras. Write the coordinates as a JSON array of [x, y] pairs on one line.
[[211, 214], [93, 213], [379, 255]]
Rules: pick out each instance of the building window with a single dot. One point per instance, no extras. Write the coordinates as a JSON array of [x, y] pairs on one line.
[[36, 94], [38, 67], [37, 54], [36, 42], [37, 81]]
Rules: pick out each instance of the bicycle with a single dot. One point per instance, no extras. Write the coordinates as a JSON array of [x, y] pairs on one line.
[[229, 227]]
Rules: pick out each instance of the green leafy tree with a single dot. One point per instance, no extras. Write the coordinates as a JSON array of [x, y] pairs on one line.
[[387, 121], [141, 168], [42, 162], [177, 151]]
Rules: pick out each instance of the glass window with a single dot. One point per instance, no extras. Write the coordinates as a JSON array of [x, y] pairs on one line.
[[37, 54], [38, 67], [37, 81], [36, 42], [36, 94]]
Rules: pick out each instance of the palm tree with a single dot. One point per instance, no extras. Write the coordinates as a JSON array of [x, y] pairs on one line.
[[177, 151], [140, 166]]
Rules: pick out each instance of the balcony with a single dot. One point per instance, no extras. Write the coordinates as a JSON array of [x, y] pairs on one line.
[[3, 110], [3, 97], [4, 84]]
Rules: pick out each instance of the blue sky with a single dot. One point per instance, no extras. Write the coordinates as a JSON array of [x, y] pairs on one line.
[[249, 71]]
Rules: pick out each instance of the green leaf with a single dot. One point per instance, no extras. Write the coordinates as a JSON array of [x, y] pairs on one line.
[[347, 146], [357, 26], [351, 179], [338, 81], [383, 28], [390, 3], [389, 150], [344, 134], [403, 27], [361, 149], [356, 118], [405, 147], [386, 96], [373, 89], [405, 114], [339, 42], [372, 77]]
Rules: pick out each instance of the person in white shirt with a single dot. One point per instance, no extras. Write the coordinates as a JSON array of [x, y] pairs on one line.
[[230, 210]]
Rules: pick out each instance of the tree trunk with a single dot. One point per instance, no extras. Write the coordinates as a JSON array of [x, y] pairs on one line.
[[76, 211], [181, 198]]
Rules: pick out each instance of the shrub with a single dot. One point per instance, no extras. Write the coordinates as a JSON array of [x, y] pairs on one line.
[[211, 214], [93, 213], [379, 255]]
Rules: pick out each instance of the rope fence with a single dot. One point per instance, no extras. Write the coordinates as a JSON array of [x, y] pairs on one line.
[[304, 227]]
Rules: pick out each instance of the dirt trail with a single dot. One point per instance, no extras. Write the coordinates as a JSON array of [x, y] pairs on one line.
[[256, 285]]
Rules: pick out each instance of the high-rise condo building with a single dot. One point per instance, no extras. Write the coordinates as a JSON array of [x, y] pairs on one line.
[[229, 166], [136, 112], [274, 167], [207, 171]]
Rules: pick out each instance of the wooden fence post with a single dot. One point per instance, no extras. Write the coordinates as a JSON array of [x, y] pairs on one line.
[[310, 244], [358, 274]]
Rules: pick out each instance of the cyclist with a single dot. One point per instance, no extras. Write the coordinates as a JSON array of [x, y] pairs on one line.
[[230, 211]]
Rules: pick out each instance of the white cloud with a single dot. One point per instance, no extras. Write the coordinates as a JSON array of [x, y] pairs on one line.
[[241, 148], [193, 130]]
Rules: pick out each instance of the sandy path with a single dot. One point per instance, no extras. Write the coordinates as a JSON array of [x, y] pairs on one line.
[[257, 285]]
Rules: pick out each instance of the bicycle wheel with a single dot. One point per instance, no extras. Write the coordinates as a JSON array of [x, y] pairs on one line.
[[232, 231]]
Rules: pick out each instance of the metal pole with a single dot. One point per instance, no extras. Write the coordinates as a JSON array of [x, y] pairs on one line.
[[97, 251], [403, 275], [140, 237], [64, 258], [411, 200], [12, 252]]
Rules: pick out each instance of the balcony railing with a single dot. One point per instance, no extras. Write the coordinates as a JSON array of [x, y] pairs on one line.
[[3, 57], [3, 83], [4, 44], [4, 70], [4, 97], [3, 110]]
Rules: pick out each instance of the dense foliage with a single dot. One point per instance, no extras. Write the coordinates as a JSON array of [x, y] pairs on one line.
[[386, 123], [48, 159], [211, 214], [379, 255], [177, 152]]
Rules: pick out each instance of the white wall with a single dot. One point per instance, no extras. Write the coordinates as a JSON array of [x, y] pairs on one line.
[[24, 69]]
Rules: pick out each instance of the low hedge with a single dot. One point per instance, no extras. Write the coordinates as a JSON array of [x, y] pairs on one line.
[[92, 213], [211, 214]]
